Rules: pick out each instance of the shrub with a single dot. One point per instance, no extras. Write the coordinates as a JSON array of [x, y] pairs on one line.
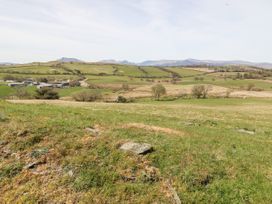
[[87, 96], [3, 117], [228, 92], [42, 79], [125, 86], [9, 77], [46, 93], [250, 86], [257, 89], [199, 79], [10, 170], [21, 93], [74, 83], [92, 86], [39, 152], [158, 90], [121, 99], [94, 178], [200, 91], [183, 95]]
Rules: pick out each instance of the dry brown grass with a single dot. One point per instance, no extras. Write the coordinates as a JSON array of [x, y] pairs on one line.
[[153, 128]]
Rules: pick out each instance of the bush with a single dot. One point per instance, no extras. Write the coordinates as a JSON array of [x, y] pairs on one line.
[[199, 79], [3, 117], [46, 93], [94, 178], [9, 77], [121, 99], [228, 92], [183, 95], [21, 93], [11, 170], [250, 86], [200, 91], [74, 83], [42, 79], [257, 89], [158, 90], [87, 96], [92, 86], [125, 86]]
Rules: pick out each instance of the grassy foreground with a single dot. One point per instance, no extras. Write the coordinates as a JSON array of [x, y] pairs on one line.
[[207, 161]]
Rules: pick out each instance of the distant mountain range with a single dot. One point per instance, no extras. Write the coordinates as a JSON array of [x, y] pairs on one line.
[[186, 62], [190, 62], [6, 63], [67, 59]]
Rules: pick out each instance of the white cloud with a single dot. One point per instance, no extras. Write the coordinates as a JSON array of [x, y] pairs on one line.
[[135, 30]]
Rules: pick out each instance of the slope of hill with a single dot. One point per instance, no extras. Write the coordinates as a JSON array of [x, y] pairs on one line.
[[195, 62], [47, 156], [191, 62], [66, 59]]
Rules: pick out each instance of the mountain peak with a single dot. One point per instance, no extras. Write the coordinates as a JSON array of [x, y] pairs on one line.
[[67, 59]]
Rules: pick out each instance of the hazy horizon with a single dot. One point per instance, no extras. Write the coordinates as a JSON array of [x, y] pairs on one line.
[[135, 30]]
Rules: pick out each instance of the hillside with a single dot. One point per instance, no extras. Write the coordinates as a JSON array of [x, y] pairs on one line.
[[63, 151], [108, 79], [48, 157]]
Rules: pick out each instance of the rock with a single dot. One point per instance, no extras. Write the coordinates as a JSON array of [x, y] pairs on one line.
[[16, 155], [2, 142], [5, 153], [94, 132], [38, 152], [188, 123], [70, 173], [246, 131], [33, 164], [137, 148], [176, 199], [22, 133]]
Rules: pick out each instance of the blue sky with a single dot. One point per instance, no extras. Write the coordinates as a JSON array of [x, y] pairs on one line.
[[135, 30]]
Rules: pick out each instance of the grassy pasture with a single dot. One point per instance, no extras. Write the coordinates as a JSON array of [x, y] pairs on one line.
[[114, 80], [6, 91], [209, 162], [35, 69], [36, 76], [91, 68], [155, 72], [130, 71], [185, 72]]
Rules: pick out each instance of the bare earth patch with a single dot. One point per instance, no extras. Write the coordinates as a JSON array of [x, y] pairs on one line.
[[153, 128], [258, 94], [203, 69]]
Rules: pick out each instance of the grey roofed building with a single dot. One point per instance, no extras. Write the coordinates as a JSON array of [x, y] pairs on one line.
[[45, 85], [16, 84]]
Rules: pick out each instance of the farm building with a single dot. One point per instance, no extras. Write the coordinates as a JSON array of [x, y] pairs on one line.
[[16, 84]]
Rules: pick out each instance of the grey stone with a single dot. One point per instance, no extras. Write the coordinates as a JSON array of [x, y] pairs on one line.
[[5, 153], [137, 148], [70, 173], [176, 199], [92, 131], [246, 131], [188, 123], [2, 142], [33, 165], [22, 133]]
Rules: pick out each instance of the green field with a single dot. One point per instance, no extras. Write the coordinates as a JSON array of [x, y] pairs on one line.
[[208, 161], [90, 68], [35, 69], [184, 72], [214, 150]]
